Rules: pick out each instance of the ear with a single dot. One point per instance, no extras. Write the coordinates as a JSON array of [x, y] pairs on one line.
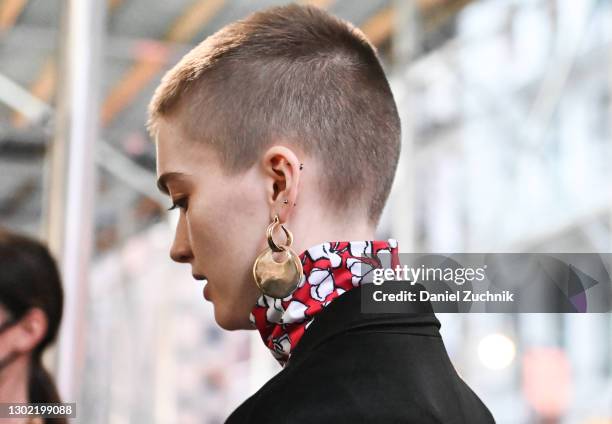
[[32, 328], [282, 169]]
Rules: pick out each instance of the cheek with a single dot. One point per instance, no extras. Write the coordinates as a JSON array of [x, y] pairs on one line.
[[235, 220], [221, 227], [242, 213], [205, 231]]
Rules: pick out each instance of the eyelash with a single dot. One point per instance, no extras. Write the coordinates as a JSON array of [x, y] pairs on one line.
[[179, 203]]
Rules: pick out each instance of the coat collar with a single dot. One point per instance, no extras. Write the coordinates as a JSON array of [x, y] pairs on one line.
[[344, 315]]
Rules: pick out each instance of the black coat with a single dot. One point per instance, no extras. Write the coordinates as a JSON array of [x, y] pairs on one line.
[[351, 367]]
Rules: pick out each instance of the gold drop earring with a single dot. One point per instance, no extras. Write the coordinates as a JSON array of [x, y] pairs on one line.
[[277, 279]]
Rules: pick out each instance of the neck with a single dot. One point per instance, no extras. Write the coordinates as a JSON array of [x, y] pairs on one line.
[[14, 381], [313, 229]]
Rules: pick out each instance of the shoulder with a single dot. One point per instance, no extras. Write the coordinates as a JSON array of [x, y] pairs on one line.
[[367, 376]]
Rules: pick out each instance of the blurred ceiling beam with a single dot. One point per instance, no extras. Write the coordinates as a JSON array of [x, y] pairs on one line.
[[439, 12], [181, 31], [144, 70], [322, 4], [428, 4], [27, 145], [14, 96], [43, 87], [108, 157], [116, 47], [133, 81], [379, 27], [113, 4], [45, 83], [20, 195], [193, 20], [10, 10]]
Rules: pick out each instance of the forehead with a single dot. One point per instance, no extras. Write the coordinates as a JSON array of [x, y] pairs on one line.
[[168, 140], [175, 152]]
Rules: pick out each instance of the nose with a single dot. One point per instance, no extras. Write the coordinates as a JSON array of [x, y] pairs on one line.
[[181, 248]]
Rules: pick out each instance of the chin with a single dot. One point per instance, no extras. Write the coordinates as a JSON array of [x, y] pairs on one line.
[[230, 320]]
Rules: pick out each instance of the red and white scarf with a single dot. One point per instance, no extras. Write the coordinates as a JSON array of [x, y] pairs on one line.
[[330, 269]]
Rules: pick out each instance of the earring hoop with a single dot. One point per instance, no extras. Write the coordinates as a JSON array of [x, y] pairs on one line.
[[270, 232], [277, 279]]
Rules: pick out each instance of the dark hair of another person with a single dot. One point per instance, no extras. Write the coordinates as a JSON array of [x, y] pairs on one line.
[[29, 278]]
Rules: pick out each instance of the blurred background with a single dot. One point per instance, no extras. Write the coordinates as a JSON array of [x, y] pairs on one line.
[[505, 107]]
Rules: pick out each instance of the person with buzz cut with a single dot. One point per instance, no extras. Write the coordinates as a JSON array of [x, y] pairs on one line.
[[278, 139]]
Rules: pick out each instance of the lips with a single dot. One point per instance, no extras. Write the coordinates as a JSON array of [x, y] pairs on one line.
[[206, 292]]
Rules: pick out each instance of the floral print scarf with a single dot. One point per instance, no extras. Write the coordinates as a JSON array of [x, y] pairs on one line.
[[330, 269]]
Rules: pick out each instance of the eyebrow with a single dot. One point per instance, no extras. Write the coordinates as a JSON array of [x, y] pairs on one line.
[[162, 181]]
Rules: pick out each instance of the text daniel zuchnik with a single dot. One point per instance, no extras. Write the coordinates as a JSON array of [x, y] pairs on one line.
[[447, 296]]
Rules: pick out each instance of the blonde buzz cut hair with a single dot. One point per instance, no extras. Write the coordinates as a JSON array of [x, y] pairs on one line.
[[297, 73]]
